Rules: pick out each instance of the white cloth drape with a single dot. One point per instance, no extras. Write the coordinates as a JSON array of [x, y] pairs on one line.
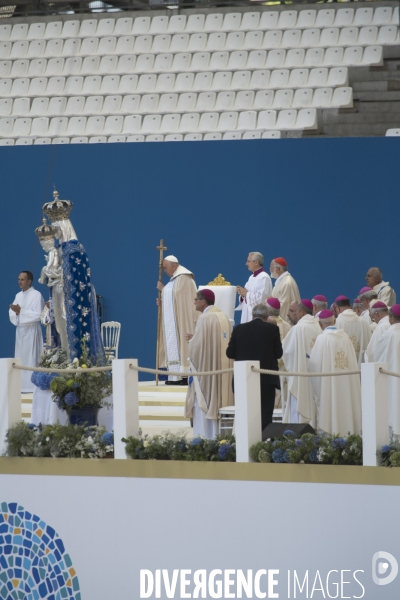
[[259, 288]]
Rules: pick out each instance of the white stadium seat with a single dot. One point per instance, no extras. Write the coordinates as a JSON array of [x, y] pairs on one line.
[[269, 20], [344, 17], [322, 98], [382, 15], [141, 25], [53, 30], [154, 138], [271, 135], [263, 99], [55, 86], [37, 67], [287, 19], [40, 106], [58, 126], [216, 41], [24, 141], [123, 26], [177, 23], [193, 137], [42, 141], [302, 98], [266, 120], [57, 106], [158, 25], [95, 125], [93, 105], [257, 59], [130, 104], [40, 126], [6, 105], [232, 135], [76, 126], [173, 137], [75, 105], [363, 17], [306, 119], [247, 120], [113, 125], [22, 127], [195, 23], [352, 56], [250, 21], [314, 57], [227, 121], [212, 137], [251, 135], [170, 123], [306, 18], [286, 119], [367, 36], [53, 48], [38, 86], [283, 99], [88, 28], [5, 32], [132, 124], [373, 55], [79, 140], [110, 83], [151, 124], [149, 103], [189, 122], [98, 139], [114, 139], [187, 102], [393, 133], [342, 97], [60, 140], [387, 35], [206, 101], [105, 27], [70, 29], [244, 100], [112, 104], [19, 32], [231, 21]]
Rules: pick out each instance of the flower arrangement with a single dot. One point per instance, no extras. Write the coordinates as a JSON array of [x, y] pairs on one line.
[[81, 390], [53, 358], [390, 454], [59, 441], [310, 449], [177, 447]]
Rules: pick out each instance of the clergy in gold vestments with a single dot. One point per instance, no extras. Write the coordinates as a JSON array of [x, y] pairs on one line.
[[207, 352], [297, 345], [338, 398], [274, 307], [387, 351], [285, 288], [356, 328], [179, 317]]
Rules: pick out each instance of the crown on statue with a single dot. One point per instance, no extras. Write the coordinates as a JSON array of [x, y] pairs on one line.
[[57, 210], [46, 231]]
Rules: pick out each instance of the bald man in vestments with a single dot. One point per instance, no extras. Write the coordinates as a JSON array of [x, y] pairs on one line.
[[257, 289], [207, 352], [338, 399], [384, 292], [179, 317], [356, 328], [285, 288], [297, 347]]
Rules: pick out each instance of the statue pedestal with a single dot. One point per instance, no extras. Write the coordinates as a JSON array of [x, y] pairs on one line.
[[225, 298]]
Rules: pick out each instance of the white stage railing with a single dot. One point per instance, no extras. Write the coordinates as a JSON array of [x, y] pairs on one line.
[[375, 420]]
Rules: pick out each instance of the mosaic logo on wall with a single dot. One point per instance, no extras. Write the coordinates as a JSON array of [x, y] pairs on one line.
[[33, 561]]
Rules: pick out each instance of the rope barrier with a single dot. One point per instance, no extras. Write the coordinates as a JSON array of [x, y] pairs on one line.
[[391, 373], [289, 374], [179, 373], [55, 370]]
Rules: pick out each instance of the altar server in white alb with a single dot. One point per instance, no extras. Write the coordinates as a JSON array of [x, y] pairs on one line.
[[380, 314], [384, 292], [356, 328], [285, 288], [25, 314], [387, 350], [207, 352], [257, 289], [297, 345], [178, 317], [338, 398]]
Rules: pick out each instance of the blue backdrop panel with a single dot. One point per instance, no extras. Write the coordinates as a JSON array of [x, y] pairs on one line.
[[329, 206]]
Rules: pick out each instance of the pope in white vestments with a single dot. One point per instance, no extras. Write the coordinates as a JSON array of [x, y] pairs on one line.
[[388, 350], [179, 317], [380, 313], [257, 289], [25, 314], [285, 288], [297, 346], [356, 328], [207, 352], [338, 398]]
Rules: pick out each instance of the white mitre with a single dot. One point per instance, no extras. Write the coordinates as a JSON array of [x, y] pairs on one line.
[[172, 259]]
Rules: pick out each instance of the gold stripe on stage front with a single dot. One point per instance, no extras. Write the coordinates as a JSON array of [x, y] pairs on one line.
[[200, 470]]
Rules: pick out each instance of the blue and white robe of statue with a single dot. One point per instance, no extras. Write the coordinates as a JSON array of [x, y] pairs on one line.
[[80, 302]]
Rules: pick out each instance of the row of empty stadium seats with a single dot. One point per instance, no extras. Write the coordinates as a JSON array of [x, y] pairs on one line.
[[217, 61], [186, 102], [172, 137], [183, 82], [198, 42], [286, 19], [169, 123]]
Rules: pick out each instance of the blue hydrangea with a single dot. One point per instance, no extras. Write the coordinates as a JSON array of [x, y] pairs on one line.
[[223, 450], [286, 457], [197, 441], [32, 425], [338, 443], [289, 432], [386, 448], [313, 456], [42, 380], [181, 446], [278, 456], [107, 438], [71, 399], [316, 440], [298, 442]]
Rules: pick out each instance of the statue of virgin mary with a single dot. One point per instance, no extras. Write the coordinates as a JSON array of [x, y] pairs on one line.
[[79, 317]]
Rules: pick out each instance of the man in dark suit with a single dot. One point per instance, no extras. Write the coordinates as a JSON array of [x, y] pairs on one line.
[[259, 340]]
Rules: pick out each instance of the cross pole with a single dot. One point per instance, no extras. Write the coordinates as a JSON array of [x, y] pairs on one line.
[[161, 248]]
